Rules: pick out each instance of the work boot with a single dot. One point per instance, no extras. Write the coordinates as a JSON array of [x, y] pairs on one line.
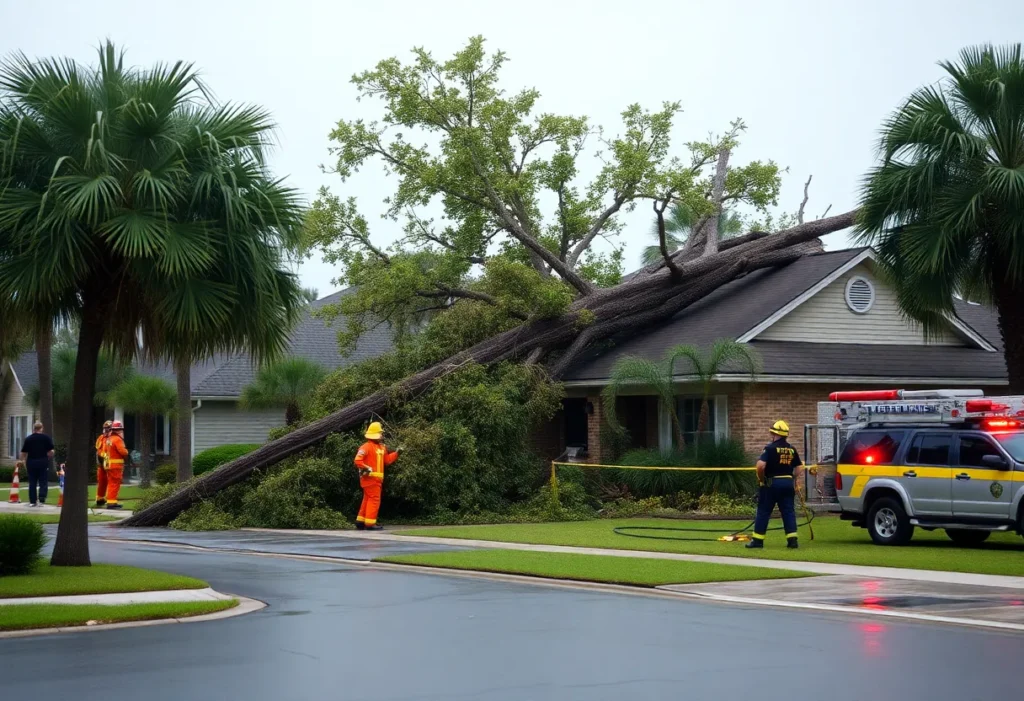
[[360, 526], [792, 543], [114, 507], [375, 527], [755, 544], [100, 503]]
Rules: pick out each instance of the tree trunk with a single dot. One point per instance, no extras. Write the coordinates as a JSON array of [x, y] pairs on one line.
[[629, 307], [1007, 297], [145, 449], [717, 192], [44, 348], [702, 418], [291, 414], [71, 548], [183, 422]]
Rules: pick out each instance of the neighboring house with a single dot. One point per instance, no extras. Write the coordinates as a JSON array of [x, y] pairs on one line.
[[822, 323], [16, 412], [217, 385]]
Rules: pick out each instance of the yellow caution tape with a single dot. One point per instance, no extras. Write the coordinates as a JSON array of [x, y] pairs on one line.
[[647, 467]]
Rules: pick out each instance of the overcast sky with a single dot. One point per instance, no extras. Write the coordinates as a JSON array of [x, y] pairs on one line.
[[813, 79]]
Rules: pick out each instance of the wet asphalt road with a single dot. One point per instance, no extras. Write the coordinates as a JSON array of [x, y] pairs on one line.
[[349, 632]]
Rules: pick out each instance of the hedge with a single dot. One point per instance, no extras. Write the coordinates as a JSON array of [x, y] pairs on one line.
[[221, 455]]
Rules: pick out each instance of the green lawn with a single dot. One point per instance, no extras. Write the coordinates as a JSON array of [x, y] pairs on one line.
[[591, 568], [55, 518], [836, 541], [59, 615], [98, 579], [127, 494]]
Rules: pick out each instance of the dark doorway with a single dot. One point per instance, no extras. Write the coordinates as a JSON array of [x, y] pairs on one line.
[[130, 440], [575, 411], [632, 413]]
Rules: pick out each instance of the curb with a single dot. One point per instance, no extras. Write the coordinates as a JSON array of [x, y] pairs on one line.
[[656, 592], [245, 605]]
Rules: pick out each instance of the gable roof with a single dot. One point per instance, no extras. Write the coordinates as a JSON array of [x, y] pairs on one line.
[[742, 306], [26, 370]]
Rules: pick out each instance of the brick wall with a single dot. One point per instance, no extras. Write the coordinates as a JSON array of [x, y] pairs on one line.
[[595, 423], [761, 404]]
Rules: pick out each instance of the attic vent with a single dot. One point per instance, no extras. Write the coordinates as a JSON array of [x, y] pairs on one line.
[[860, 295]]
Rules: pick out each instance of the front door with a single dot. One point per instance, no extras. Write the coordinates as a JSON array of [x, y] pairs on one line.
[[927, 475], [978, 490]]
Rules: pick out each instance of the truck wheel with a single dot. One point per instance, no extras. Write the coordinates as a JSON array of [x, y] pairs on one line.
[[964, 536], [888, 523]]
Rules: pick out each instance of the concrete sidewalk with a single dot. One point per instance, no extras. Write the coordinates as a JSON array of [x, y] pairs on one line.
[[140, 597], [933, 576], [24, 508]]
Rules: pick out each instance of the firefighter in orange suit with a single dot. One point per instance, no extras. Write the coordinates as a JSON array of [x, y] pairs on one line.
[[371, 459], [101, 466], [116, 454]]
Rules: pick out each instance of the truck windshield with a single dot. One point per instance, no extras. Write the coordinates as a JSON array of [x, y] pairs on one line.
[[1013, 443]]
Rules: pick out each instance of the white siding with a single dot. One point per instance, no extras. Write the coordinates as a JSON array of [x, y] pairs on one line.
[[221, 423], [825, 318], [13, 404]]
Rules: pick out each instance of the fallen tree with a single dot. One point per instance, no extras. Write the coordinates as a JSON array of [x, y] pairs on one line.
[[632, 305]]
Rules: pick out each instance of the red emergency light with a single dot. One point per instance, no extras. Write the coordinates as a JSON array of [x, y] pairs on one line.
[[981, 406], [872, 395], [1000, 424]]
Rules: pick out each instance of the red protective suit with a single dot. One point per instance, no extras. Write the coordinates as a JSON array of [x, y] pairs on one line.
[[373, 456]]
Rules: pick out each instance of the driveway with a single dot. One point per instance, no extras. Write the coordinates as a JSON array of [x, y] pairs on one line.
[[333, 631]]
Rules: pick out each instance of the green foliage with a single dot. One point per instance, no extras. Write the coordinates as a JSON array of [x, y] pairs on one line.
[[21, 543], [284, 383], [305, 494], [723, 453], [166, 474], [109, 373], [204, 516], [157, 492], [212, 458], [144, 395], [945, 208], [679, 225]]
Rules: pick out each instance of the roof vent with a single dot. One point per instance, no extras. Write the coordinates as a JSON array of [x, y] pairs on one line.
[[860, 295]]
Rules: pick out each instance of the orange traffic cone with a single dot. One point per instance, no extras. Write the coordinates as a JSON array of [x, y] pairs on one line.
[[15, 487]]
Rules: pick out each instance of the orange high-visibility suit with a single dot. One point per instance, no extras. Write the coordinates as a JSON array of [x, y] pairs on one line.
[[101, 469], [372, 456], [116, 453]]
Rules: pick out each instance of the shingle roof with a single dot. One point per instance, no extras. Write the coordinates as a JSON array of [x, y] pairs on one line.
[[26, 367], [739, 306]]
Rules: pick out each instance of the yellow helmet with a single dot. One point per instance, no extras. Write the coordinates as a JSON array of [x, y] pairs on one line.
[[375, 432], [107, 425], [780, 428]]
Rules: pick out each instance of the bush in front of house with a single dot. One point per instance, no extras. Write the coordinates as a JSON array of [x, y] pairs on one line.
[[213, 458], [21, 544], [658, 483], [166, 474]]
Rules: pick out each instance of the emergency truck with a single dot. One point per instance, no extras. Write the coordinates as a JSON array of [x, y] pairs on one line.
[[931, 459]]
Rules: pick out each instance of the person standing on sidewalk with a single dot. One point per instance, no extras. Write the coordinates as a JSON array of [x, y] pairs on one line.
[[36, 452], [776, 473], [370, 461]]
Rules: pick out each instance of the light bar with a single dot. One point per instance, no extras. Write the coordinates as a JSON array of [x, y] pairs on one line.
[[873, 395]]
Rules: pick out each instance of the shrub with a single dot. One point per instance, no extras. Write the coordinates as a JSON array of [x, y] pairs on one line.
[[301, 495], [165, 474], [628, 508], [213, 458], [6, 474], [154, 494], [647, 483], [204, 516], [21, 543]]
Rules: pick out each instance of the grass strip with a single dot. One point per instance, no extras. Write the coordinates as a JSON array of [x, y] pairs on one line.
[[835, 542], [31, 616], [608, 569], [55, 518], [46, 580]]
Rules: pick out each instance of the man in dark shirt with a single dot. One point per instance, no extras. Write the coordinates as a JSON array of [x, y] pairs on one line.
[[777, 475], [36, 453]]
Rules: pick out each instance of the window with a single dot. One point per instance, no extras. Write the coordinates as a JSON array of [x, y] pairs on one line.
[[1013, 443], [17, 429], [162, 435], [974, 448], [860, 295], [872, 448], [688, 409], [930, 450]]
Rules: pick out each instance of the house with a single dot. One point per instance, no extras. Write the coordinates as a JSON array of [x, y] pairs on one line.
[[217, 385], [825, 322]]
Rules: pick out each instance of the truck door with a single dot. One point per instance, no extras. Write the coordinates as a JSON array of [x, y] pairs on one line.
[[979, 490], [927, 475]]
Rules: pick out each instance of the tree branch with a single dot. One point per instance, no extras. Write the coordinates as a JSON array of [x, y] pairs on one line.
[[460, 293], [659, 211], [803, 203], [717, 194], [588, 238]]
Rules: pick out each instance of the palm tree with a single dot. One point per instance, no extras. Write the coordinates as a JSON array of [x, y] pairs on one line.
[[286, 383], [945, 208], [679, 225], [706, 367], [131, 203], [631, 371], [109, 373], [146, 397]]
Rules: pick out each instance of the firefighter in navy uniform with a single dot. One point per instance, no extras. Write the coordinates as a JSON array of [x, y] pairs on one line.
[[776, 473]]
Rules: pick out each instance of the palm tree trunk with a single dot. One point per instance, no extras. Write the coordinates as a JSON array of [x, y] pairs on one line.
[[183, 423], [1007, 297], [702, 418], [145, 448], [71, 547], [291, 414], [44, 347]]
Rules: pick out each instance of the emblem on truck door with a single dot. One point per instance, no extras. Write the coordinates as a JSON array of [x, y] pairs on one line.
[[997, 489]]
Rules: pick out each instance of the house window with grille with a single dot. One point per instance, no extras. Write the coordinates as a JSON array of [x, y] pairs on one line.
[[688, 409]]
